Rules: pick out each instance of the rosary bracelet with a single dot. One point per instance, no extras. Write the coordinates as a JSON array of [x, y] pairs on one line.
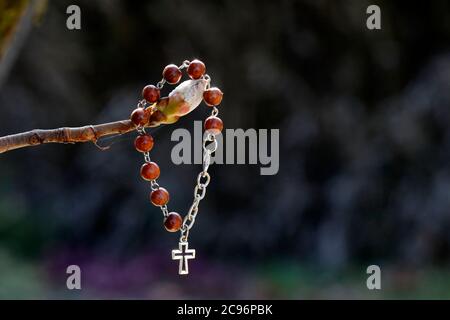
[[154, 110]]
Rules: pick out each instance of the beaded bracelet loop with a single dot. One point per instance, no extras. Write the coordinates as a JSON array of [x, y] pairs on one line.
[[154, 110]]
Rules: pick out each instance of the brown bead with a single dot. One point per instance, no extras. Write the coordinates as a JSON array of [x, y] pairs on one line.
[[143, 143], [159, 197], [196, 69], [139, 117], [151, 93], [150, 171], [172, 74], [213, 96], [213, 125], [173, 222]]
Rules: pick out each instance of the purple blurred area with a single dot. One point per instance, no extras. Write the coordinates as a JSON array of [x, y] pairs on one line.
[[364, 178]]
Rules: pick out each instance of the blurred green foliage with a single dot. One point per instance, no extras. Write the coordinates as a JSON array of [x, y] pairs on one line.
[[10, 12]]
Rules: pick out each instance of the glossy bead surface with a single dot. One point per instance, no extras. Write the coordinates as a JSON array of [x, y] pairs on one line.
[[173, 222], [213, 96], [172, 74], [151, 93], [159, 197], [143, 143], [196, 69], [139, 117], [213, 125], [150, 171]]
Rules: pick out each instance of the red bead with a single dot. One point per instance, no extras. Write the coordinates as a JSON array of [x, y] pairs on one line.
[[213, 125], [196, 69], [150, 171], [140, 116], [151, 93], [213, 96], [172, 74], [143, 143], [159, 197], [173, 222]]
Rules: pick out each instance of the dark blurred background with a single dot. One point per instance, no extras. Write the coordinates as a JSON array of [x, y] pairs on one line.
[[364, 151]]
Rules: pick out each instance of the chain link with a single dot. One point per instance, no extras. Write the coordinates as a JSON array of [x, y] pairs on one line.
[[184, 65], [161, 83], [154, 185], [205, 175], [213, 144], [165, 210], [140, 130], [203, 180], [147, 157], [206, 161], [208, 81], [202, 193], [142, 103]]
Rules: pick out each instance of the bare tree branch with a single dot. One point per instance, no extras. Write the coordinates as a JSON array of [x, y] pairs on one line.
[[90, 133], [182, 100]]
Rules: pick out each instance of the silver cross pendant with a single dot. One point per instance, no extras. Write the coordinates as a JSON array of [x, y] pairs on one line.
[[183, 254]]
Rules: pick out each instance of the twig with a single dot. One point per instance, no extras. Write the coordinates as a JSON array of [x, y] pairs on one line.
[[182, 100], [90, 133]]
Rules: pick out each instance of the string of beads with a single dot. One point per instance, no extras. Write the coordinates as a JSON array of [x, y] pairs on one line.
[[144, 142]]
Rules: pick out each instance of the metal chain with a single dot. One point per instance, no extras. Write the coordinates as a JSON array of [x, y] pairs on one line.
[[165, 210], [161, 83], [147, 157], [142, 103], [140, 130], [208, 81], [210, 145], [184, 65]]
